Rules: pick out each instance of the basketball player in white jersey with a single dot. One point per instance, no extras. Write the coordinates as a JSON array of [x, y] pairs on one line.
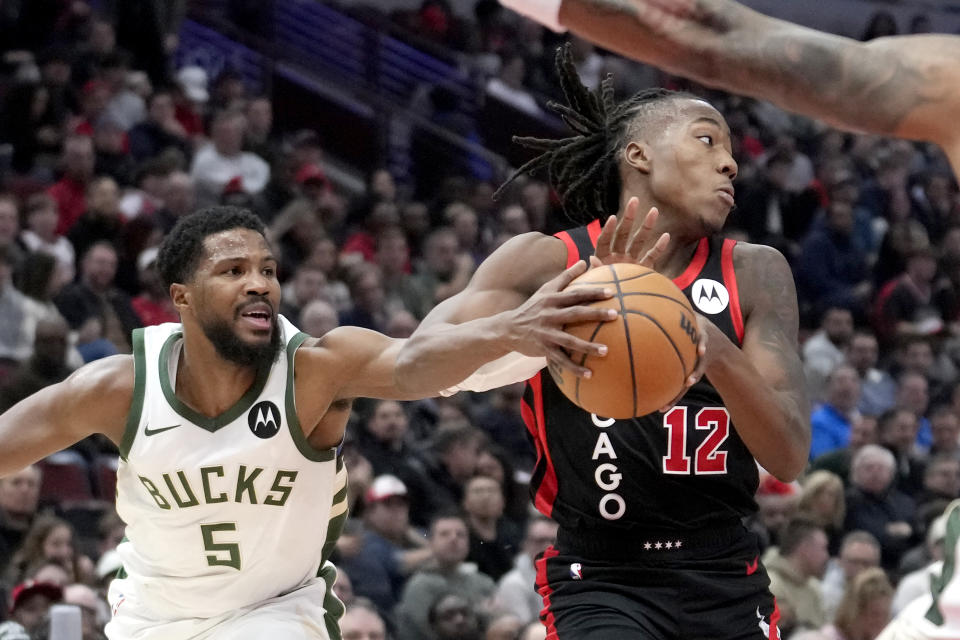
[[231, 482], [903, 86]]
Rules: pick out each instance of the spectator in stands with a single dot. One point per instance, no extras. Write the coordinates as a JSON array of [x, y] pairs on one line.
[[941, 482], [110, 149], [945, 431], [831, 270], [16, 341], [456, 450], [415, 221], [93, 613], [125, 107], [393, 258], [224, 159], [10, 226], [307, 285], [466, 225], [366, 291], [917, 355], [875, 506], [449, 540], [877, 388], [897, 432], [95, 297], [862, 431], [501, 419], [102, 221], [178, 200], [363, 240], [190, 99], [494, 540], [826, 349], [831, 421], [453, 617], [444, 271], [153, 305], [30, 602], [494, 462], [50, 539], [259, 137], [904, 306], [795, 569], [361, 621], [41, 233], [777, 503], [29, 123], [160, 131], [146, 196], [822, 500], [508, 86], [47, 365], [19, 496], [913, 395], [504, 627], [864, 610], [71, 191], [318, 317], [386, 553], [859, 551], [515, 592]]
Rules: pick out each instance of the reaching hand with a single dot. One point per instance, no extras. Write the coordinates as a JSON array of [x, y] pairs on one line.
[[621, 240], [536, 328]]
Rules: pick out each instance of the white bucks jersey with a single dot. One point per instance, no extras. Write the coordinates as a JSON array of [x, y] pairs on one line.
[[221, 512]]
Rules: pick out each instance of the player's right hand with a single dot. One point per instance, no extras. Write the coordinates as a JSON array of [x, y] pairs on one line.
[[536, 328]]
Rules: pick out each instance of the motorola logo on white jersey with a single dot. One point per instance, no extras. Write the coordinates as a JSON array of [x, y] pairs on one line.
[[709, 296]]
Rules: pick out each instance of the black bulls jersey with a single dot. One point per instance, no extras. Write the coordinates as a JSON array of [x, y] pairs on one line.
[[684, 469]]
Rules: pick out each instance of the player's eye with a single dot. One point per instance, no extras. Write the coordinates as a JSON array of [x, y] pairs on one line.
[[234, 271], [707, 140], [269, 272]]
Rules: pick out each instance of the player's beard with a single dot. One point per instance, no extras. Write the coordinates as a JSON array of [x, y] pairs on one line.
[[232, 348]]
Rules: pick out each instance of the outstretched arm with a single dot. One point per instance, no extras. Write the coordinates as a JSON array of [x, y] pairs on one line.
[[762, 382], [94, 399], [908, 86]]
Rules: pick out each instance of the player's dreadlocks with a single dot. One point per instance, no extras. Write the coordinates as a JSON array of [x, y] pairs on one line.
[[583, 168]]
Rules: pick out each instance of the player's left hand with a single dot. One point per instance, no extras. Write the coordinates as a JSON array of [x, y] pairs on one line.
[[622, 239], [704, 326]]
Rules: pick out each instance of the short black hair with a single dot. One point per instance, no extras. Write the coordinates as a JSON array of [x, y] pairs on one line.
[[584, 168], [183, 247], [795, 532]]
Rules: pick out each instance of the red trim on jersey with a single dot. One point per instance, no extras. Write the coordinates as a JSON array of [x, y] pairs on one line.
[[547, 491], [573, 254], [774, 621], [730, 281], [693, 269], [546, 616], [593, 230]]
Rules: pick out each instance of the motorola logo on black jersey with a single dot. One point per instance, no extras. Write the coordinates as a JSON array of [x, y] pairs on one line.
[[709, 296], [264, 419]]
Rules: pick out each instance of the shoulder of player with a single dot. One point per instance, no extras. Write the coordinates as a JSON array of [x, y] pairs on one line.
[[763, 275], [525, 261], [337, 349]]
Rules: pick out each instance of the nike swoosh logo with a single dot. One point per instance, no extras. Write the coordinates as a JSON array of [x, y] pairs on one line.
[[149, 432], [752, 567]]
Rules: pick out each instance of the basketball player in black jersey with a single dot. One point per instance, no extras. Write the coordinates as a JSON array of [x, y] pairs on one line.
[[651, 543]]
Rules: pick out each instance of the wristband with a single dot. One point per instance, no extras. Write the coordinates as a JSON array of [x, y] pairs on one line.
[[546, 12]]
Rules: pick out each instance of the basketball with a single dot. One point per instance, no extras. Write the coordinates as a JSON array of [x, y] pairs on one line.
[[651, 345]]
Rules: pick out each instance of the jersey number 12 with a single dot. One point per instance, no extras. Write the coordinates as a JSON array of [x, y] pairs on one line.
[[707, 459]]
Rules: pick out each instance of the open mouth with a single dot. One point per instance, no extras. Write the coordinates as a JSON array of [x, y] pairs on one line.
[[258, 315]]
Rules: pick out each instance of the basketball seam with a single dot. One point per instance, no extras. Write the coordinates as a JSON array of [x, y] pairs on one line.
[[682, 302], [626, 331], [683, 365], [593, 282]]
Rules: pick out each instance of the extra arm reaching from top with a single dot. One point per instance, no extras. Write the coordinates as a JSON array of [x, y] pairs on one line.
[[907, 86]]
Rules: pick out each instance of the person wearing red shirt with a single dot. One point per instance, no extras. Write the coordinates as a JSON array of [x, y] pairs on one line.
[[71, 190]]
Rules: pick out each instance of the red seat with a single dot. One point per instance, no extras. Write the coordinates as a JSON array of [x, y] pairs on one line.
[[105, 472], [66, 477]]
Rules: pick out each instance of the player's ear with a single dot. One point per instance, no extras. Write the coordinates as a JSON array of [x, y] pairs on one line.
[[638, 155], [180, 295]]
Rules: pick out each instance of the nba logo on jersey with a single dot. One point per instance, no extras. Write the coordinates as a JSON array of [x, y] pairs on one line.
[[709, 296], [264, 419], [576, 571]]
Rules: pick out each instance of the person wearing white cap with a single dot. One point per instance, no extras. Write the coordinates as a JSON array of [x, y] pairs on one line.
[[193, 80]]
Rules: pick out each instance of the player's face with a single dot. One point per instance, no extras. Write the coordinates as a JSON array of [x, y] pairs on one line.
[[236, 295], [693, 167]]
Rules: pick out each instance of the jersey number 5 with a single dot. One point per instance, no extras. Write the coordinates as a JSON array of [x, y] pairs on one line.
[[707, 460], [220, 554]]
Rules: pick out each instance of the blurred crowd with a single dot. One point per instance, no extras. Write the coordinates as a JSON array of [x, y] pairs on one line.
[[104, 145]]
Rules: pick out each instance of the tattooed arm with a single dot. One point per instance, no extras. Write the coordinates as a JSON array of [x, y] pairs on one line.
[[907, 86], [762, 382]]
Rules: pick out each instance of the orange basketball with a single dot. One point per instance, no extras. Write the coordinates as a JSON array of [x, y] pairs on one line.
[[651, 346]]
